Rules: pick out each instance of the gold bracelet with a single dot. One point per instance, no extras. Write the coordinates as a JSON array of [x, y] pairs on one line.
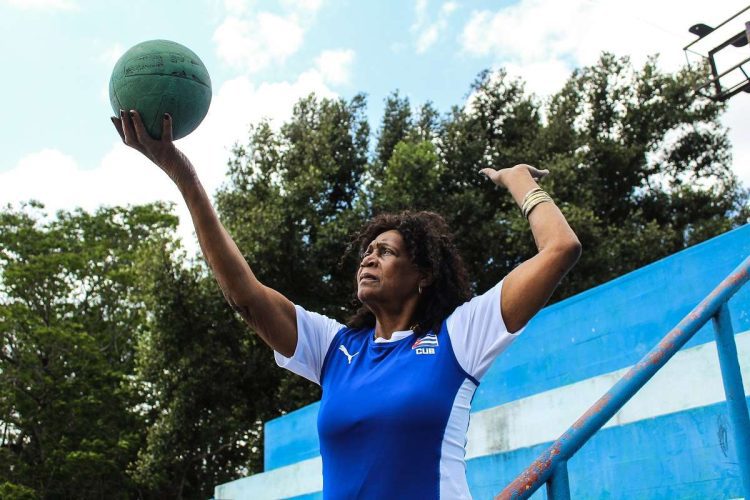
[[533, 202], [531, 192], [532, 199], [531, 196], [533, 206]]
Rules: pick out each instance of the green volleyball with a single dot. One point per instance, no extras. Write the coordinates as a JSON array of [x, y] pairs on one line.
[[157, 77]]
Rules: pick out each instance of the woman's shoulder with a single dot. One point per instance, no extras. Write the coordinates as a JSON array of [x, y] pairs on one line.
[[359, 333]]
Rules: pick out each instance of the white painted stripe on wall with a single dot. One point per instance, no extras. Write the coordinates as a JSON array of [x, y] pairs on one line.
[[289, 481], [691, 379]]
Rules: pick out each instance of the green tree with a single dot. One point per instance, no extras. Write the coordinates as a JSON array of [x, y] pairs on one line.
[[642, 163], [396, 126], [498, 128], [410, 179], [68, 317], [293, 198], [404, 173], [205, 383]]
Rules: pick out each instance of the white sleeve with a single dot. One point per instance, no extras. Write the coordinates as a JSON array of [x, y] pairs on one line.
[[478, 333], [315, 333]]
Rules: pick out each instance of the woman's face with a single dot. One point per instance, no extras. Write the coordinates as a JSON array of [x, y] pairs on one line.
[[386, 273]]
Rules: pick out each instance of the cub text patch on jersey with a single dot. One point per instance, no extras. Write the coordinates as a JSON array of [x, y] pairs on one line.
[[426, 344]]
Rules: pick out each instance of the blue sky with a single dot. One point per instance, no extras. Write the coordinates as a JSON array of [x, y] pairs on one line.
[[66, 58], [59, 146]]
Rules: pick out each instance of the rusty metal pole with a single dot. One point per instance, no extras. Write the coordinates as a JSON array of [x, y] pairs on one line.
[[558, 486], [731, 376]]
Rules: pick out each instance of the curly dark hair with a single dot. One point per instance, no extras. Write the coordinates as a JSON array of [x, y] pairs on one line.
[[429, 243]]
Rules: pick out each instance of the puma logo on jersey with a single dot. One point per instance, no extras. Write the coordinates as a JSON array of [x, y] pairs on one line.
[[346, 353]]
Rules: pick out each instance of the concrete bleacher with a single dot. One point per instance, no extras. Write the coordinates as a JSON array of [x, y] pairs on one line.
[[672, 440]]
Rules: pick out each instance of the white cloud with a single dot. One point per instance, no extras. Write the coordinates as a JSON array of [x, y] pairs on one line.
[[111, 54], [427, 37], [254, 44], [302, 6], [49, 5], [577, 31], [420, 13], [108, 57], [335, 65], [124, 176], [56, 179], [448, 8], [739, 131], [428, 33], [397, 47], [237, 7], [543, 77], [250, 40]]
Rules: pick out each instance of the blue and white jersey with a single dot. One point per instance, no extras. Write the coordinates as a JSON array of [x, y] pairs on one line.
[[394, 414]]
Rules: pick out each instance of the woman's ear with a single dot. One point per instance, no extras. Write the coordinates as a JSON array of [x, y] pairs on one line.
[[427, 278]]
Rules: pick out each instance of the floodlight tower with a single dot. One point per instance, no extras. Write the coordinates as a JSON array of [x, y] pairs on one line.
[[733, 78]]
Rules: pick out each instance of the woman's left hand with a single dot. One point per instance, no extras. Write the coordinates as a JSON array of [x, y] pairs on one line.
[[501, 177]]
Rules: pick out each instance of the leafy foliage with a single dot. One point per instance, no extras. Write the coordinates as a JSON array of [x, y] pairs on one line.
[[205, 385], [68, 314]]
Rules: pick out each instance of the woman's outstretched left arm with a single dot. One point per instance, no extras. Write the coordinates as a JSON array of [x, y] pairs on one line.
[[530, 285]]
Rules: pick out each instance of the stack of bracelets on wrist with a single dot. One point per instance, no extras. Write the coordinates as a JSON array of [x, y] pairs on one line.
[[532, 199]]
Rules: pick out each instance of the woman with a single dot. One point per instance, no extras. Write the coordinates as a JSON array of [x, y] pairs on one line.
[[394, 412]]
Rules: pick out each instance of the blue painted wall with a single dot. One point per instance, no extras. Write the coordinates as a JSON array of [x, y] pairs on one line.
[[291, 438], [615, 324], [686, 454]]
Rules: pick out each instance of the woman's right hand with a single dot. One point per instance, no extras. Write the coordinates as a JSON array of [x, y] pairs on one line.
[[162, 152]]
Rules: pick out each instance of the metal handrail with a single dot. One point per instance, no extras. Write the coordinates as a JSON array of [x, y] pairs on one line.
[[551, 466]]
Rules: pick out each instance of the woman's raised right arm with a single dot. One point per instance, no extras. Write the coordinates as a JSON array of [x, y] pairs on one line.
[[267, 311]]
